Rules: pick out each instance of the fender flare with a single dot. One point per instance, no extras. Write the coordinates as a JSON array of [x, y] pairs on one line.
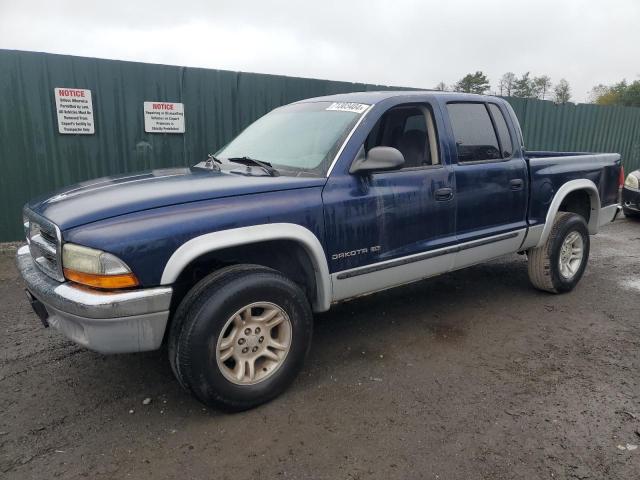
[[234, 237], [563, 191]]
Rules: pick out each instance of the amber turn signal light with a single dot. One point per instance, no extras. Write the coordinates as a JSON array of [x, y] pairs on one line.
[[107, 282]]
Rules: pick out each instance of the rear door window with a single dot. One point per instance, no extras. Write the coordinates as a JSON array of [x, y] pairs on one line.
[[503, 130], [475, 137]]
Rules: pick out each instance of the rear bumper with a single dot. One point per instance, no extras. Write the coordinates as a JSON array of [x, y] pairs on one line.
[[631, 200], [107, 322]]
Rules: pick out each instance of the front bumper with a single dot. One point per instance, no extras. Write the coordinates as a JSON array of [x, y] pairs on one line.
[[107, 322], [631, 200]]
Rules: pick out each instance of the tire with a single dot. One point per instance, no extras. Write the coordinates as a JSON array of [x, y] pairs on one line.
[[545, 269], [220, 310]]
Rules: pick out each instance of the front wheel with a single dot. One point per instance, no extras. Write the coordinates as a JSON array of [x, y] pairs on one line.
[[558, 265], [240, 337]]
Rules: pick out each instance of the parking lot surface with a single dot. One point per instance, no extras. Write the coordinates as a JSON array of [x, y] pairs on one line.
[[469, 375]]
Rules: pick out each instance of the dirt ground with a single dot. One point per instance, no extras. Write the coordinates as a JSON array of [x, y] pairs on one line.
[[469, 375]]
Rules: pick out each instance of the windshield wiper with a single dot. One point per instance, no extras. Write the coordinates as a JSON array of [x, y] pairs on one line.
[[266, 166], [210, 162]]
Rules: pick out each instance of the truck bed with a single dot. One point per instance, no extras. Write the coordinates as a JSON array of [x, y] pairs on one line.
[[549, 171]]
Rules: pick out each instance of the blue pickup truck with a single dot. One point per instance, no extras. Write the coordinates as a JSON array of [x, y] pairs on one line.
[[317, 202]]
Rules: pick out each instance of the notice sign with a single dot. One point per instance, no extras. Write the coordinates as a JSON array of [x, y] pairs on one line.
[[163, 117], [75, 111]]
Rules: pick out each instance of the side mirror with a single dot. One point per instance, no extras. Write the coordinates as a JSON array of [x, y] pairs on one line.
[[378, 159]]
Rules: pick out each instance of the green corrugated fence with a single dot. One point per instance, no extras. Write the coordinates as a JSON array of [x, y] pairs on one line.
[[580, 128], [35, 158]]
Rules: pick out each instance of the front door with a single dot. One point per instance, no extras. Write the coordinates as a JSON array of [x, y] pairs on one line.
[[375, 223]]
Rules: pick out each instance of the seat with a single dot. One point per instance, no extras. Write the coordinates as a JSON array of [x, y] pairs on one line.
[[412, 145]]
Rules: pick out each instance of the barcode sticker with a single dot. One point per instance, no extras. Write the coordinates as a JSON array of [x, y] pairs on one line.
[[348, 107]]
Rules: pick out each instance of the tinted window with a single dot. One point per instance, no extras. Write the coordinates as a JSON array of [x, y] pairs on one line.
[[503, 130], [473, 131]]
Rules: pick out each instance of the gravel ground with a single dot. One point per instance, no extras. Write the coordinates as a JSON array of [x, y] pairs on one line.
[[470, 375]]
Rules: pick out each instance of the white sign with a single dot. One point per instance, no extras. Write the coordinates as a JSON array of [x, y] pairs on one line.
[[348, 107], [163, 117], [75, 111]]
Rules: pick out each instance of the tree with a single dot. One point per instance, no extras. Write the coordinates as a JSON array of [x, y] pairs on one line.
[[473, 83], [599, 93], [442, 87], [562, 92], [523, 87], [631, 96], [505, 86], [541, 86], [609, 94], [621, 93]]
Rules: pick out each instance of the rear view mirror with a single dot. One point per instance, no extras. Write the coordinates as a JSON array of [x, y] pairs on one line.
[[377, 159]]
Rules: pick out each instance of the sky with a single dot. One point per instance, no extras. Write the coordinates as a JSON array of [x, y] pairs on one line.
[[394, 42]]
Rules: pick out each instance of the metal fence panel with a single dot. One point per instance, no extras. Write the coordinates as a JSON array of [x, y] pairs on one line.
[[580, 128], [35, 158]]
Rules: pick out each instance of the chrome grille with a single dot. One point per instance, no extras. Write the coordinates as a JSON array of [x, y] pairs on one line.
[[44, 241], [49, 237]]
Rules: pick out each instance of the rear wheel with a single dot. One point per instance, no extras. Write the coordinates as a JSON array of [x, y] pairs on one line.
[[240, 337], [558, 265]]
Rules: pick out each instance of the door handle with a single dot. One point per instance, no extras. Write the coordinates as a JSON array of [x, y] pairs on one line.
[[444, 194], [516, 184]]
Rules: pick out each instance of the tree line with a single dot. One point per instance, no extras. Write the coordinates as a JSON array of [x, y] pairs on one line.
[[527, 86], [511, 85], [621, 93]]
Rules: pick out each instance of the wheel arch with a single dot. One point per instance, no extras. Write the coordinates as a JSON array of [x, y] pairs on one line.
[[251, 237], [566, 192]]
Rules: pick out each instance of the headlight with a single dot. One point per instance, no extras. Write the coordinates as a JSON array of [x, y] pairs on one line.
[[632, 181], [95, 268]]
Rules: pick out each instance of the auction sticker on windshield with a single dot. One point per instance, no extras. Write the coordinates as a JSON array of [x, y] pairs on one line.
[[348, 107]]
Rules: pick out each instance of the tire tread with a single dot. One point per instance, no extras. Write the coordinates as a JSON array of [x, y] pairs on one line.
[[539, 258], [186, 320]]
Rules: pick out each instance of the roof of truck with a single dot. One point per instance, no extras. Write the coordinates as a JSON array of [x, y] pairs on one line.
[[378, 96]]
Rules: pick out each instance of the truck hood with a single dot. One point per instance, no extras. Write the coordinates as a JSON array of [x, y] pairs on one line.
[[108, 197]]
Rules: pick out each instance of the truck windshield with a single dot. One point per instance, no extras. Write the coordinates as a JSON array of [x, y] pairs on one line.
[[297, 139]]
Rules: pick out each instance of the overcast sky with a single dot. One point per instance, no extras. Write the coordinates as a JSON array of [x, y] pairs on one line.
[[391, 42]]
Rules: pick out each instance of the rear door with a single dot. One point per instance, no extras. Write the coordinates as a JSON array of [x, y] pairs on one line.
[[491, 181]]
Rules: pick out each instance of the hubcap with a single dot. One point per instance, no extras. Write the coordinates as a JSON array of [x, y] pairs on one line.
[[571, 254], [254, 343]]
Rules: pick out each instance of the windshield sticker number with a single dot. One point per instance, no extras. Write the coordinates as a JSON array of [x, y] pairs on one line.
[[348, 107]]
